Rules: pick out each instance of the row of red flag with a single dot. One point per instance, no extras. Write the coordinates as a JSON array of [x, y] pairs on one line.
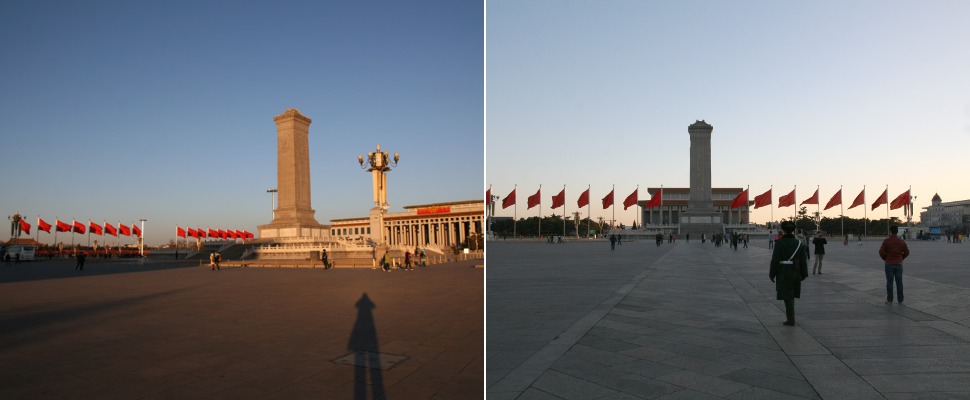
[[741, 200], [213, 233], [78, 227]]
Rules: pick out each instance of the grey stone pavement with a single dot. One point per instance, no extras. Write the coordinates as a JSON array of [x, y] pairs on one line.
[[180, 331], [691, 321]]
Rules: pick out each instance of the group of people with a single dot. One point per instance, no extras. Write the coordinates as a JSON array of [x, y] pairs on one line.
[[410, 259], [790, 257]]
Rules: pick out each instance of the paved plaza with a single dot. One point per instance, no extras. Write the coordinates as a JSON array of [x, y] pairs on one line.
[[691, 321], [123, 330]]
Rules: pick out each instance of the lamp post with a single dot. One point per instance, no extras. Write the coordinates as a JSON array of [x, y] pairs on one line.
[[141, 243], [378, 163], [272, 195]]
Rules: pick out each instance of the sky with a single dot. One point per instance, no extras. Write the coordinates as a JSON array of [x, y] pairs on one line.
[[802, 95], [119, 111]]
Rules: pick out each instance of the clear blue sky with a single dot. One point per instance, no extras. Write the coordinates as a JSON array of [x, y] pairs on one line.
[[820, 93], [119, 110]]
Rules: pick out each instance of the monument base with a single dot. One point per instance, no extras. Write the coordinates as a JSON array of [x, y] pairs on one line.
[[695, 223]]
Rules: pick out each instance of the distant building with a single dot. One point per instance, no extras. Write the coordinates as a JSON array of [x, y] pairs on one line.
[[947, 216], [675, 202]]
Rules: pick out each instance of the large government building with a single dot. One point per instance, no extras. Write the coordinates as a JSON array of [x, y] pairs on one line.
[[675, 203], [947, 216]]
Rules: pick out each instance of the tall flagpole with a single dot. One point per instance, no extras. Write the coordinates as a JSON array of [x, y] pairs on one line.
[[841, 211], [540, 212], [73, 221], [515, 213], [771, 203], [37, 234], [613, 205], [589, 217], [794, 190], [865, 214], [89, 233], [887, 210], [564, 211], [818, 209], [55, 233]]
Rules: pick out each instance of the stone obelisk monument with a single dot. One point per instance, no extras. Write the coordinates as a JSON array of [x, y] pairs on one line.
[[700, 217], [293, 216]]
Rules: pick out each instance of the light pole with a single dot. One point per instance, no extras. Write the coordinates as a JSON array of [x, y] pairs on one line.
[[272, 195], [378, 163], [142, 241]]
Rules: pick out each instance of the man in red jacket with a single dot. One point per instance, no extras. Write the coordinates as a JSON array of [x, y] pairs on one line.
[[893, 251]]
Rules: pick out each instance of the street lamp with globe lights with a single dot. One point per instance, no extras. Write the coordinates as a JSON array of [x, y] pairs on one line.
[[378, 163]]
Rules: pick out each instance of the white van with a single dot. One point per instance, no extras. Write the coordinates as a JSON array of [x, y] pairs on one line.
[[26, 252]]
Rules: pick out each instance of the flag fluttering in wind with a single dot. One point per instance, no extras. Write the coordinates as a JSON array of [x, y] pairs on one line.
[[79, 227], [882, 199], [811, 200], [136, 230], [180, 232], [763, 199], [655, 200], [110, 230], [608, 200], [43, 226], [787, 200], [859, 200], [534, 200], [507, 202], [835, 200], [740, 200], [24, 226], [583, 199], [62, 226], [95, 228], [631, 199], [124, 230], [200, 233], [559, 200], [899, 201]]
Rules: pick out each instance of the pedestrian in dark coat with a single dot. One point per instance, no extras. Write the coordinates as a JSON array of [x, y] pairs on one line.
[[789, 268]]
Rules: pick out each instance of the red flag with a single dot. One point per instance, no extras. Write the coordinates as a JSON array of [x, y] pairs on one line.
[[488, 195], [79, 227], [180, 232], [95, 228], [787, 200], [62, 226], [608, 200], [740, 200], [200, 233], [24, 226], [249, 235], [899, 201], [193, 233], [811, 200], [859, 200], [110, 230], [41, 225], [655, 200], [240, 235], [763, 199], [124, 230], [213, 234], [631, 200], [534, 199], [509, 200], [583, 199], [882, 199], [222, 234], [559, 200], [136, 230], [835, 200]]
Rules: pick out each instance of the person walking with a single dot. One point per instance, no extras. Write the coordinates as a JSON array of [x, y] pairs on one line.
[[819, 243], [407, 260], [893, 251], [612, 242], [218, 260], [788, 269], [325, 258], [80, 262], [771, 240], [212, 261]]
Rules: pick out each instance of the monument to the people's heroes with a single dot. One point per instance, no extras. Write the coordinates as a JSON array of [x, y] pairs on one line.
[[700, 216], [293, 216]]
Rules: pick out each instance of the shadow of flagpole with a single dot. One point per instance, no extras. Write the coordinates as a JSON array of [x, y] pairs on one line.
[[363, 343]]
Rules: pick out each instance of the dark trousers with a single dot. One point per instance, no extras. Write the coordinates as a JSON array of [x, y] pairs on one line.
[[790, 310], [894, 272]]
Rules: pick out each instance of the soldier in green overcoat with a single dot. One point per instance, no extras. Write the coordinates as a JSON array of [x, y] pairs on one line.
[[789, 268]]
